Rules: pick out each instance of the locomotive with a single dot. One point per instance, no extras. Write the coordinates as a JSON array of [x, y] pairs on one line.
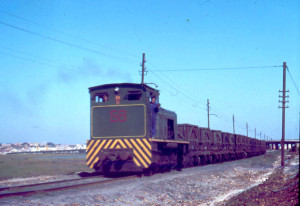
[[121, 139]]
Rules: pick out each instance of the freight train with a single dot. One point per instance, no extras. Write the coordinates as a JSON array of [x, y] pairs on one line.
[[121, 137]]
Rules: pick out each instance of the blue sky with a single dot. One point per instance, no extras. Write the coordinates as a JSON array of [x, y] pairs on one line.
[[52, 51]]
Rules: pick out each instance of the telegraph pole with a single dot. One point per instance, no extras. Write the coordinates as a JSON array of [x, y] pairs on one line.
[[260, 135], [283, 112], [255, 133], [233, 124], [247, 128], [143, 68], [208, 112]]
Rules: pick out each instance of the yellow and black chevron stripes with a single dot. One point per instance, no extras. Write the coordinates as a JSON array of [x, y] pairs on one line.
[[141, 150]]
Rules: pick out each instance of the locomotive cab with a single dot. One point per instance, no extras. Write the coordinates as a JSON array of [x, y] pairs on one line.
[[166, 125], [120, 110]]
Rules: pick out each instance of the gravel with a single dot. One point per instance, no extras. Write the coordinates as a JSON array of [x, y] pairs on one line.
[[205, 185]]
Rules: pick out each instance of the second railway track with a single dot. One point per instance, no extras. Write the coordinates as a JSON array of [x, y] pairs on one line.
[[31, 189]]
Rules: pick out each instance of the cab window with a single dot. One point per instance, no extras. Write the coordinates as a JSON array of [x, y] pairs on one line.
[[100, 98], [170, 129], [134, 95]]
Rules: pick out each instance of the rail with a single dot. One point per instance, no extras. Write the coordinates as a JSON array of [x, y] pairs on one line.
[[26, 190]]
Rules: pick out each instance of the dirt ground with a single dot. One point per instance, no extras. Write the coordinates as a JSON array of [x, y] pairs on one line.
[[253, 181], [281, 188]]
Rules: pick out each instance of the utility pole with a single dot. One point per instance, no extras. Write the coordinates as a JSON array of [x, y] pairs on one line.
[[255, 133], [143, 68], [233, 124], [208, 112], [247, 128], [260, 135], [283, 112]]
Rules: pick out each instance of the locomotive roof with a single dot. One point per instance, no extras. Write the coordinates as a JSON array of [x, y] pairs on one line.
[[133, 85]]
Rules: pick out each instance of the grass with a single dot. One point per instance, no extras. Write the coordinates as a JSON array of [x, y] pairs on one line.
[[29, 165]]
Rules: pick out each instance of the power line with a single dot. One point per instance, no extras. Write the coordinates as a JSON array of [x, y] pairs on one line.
[[192, 96], [67, 34], [30, 60], [34, 56], [182, 103], [298, 91], [225, 117], [60, 41], [72, 68], [176, 89], [50, 38], [214, 69]]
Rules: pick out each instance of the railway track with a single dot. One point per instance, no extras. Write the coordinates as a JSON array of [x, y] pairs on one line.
[[32, 189]]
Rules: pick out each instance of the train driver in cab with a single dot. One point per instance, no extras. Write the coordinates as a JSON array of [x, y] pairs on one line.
[[105, 98], [154, 108]]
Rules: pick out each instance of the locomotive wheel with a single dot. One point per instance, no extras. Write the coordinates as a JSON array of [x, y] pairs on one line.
[[195, 161], [151, 170], [219, 158], [203, 160], [214, 158], [209, 159]]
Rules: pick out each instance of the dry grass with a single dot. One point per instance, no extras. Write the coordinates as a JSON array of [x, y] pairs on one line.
[[28, 165]]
